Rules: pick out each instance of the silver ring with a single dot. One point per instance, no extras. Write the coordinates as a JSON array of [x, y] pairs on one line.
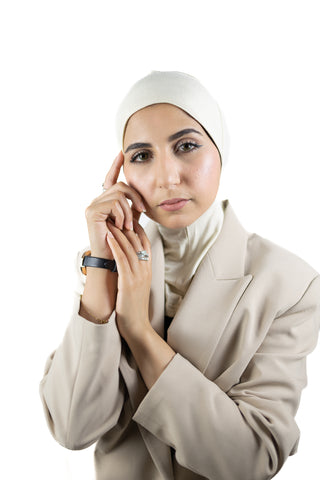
[[143, 255]]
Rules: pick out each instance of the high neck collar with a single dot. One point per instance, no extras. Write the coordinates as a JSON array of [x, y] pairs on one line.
[[200, 229], [184, 248]]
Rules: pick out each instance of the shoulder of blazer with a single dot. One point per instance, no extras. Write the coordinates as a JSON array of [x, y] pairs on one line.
[[269, 255], [279, 273], [241, 251]]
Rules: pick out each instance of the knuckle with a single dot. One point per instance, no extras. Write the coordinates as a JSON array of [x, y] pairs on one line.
[[110, 188], [88, 212], [115, 203], [119, 195]]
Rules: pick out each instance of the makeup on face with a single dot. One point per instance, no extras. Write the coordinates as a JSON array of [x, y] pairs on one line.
[[172, 163], [173, 204], [170, 139]]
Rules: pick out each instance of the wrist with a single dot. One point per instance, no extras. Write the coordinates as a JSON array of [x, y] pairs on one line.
[[151, 353], [137, 333], [92, 261], [101, 253], [83, 312]]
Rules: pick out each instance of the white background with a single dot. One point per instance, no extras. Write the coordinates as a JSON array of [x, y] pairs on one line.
[[65, 65]]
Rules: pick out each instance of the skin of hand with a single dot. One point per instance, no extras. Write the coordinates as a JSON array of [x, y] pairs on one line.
[[150, 351], [99, 295], [134, 278], [113, 205]]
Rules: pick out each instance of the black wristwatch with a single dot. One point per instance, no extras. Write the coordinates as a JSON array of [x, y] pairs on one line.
[[89, 261]]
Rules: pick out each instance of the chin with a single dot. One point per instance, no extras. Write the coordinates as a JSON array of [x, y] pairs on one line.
[[173, 221]]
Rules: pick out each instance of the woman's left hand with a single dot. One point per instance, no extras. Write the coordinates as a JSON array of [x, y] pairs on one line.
[[134, 279]]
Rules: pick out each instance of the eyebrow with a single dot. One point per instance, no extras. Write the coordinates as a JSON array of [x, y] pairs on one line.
[[170, 139]]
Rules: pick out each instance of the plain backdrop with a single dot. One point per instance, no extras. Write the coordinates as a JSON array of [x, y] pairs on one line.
[[65, 66]]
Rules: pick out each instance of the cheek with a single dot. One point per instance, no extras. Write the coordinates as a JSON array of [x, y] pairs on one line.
[[206, 172], [136, 180]]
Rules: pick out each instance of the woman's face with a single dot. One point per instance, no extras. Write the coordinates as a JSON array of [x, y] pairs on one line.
[[176, 173]]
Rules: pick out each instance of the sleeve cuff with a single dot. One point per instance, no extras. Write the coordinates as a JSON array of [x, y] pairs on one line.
[[174, 390]]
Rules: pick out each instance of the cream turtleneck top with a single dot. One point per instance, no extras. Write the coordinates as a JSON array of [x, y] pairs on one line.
[[184, 248]]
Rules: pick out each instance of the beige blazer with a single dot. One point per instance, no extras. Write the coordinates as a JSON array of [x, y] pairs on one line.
[[227, 400]]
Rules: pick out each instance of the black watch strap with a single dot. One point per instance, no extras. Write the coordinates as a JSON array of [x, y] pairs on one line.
[[97, 262]]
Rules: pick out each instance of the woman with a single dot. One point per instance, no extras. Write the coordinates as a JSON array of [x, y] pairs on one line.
[[185, 355]]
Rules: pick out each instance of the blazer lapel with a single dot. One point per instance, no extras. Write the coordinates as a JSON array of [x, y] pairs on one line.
[[156, 304], [212, 296], [202, 316]]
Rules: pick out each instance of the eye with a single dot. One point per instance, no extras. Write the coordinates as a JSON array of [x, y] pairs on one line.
[[139, 157], [186, 147]]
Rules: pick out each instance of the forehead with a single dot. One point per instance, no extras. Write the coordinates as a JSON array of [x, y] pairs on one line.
[[161, 118]]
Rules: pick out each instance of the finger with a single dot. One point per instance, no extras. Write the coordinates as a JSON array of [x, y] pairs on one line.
[[128, 192], [101, 211], [119, 255], [123, 215], [136, 215], [134, 240], [117, 213], [125, 245], [144, 240], [130, 212], [116, 206], [113, 173]]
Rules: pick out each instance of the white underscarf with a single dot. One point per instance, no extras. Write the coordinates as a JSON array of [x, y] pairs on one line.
[[184, 248]]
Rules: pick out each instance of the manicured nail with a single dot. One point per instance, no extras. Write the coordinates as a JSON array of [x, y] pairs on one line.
[[109, 234]]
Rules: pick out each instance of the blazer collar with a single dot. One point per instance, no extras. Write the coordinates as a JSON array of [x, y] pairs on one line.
[[214, 292], [227, 254]]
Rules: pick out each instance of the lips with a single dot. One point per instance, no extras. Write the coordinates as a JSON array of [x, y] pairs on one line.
[[173, 204], [172, 200]]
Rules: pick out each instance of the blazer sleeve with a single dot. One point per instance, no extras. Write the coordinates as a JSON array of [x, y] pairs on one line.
[[82, 391], [247, 432]]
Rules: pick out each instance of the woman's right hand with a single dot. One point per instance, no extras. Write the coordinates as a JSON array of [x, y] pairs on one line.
[[112, 205]]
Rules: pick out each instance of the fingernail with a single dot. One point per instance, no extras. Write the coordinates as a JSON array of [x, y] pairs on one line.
[[109, 234], [143, 207]]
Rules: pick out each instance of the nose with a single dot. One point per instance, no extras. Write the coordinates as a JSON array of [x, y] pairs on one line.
[[168, 173]]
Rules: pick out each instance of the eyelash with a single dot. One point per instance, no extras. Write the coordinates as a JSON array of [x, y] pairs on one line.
[[194, 144]]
